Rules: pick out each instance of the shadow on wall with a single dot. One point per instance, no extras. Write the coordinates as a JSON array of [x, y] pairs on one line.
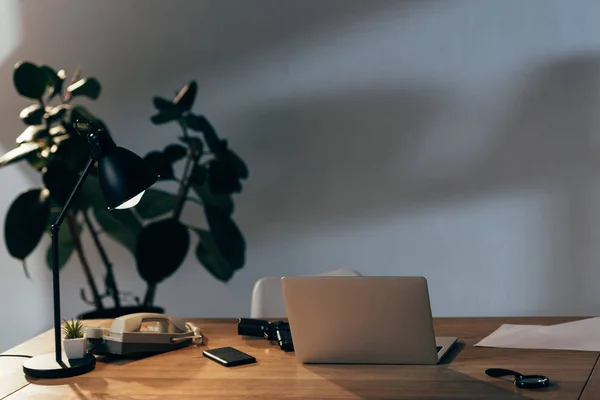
[[339, 158], [336, 157], [344, 151], [129, 46], [204, 37]]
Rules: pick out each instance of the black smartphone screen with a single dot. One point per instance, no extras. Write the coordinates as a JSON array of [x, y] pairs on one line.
[[228, 356]]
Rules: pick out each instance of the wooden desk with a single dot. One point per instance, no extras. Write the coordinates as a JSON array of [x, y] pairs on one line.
[[186, 374]]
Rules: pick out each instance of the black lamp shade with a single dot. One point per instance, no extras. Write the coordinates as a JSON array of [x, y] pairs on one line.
[[123, 175]]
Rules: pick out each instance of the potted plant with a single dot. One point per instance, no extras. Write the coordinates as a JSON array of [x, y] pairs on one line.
[[212, 173], [73, 341], [51, 146], [154, 232]]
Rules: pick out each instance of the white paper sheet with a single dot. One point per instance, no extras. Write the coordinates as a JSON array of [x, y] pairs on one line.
[[581, 335]]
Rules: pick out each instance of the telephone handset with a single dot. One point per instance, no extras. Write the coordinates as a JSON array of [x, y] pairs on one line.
[[144, 333]]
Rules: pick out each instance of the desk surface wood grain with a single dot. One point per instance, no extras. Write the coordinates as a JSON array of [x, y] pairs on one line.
[[185, 373]]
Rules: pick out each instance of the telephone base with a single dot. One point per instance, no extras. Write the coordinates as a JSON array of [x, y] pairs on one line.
[[46, 367]]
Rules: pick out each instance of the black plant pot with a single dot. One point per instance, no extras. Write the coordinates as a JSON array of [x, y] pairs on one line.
[[118, 312]]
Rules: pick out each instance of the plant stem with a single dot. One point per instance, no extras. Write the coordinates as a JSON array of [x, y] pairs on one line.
[[25, 269], [183, 128], [184, 186], [183, 189], [195, 200], [150, 293], [67, 97], [111, 283], [46, 121], [74, 229]]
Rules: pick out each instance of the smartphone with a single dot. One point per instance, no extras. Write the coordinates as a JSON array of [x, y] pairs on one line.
[[229, 357]]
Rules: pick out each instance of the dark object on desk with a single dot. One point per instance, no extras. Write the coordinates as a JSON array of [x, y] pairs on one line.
[[229, 357], [123, 177], [273, 331], [521, 381], [283, 334]]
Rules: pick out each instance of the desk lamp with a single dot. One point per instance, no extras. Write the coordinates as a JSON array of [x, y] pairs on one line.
[[123, 176]]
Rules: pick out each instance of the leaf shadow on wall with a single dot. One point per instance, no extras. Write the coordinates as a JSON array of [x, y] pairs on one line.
[[129, 49], [338, 158], [335, 157], [133, 50]]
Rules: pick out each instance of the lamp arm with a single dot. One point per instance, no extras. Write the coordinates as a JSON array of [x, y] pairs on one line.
[[59, 220], [54, 229]]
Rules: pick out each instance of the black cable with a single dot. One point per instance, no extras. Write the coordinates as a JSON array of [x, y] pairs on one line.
[[15, 355]]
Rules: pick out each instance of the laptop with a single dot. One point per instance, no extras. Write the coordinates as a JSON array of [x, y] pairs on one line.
[[362, 320]]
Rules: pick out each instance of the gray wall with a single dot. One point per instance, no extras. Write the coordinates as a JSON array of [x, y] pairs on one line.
[[450, 139]]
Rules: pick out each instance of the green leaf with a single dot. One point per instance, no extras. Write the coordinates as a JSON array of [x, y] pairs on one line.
[[121, 225], [73, 152], [160, 164], [36, 160], [155, 203], [222, 202], [57, 113], [199, 123], [174, 152], [25, 222], [222, 179], [49, 74], [161, 249], [32, 115], [186, 96], [193, 122], [163, 104], [59, 131], [29, 80], [210, 257], [89, 87], [66, 245], [227, 236], [165, 116], [55, 210], [33, 133], [199, 174], [92, 195], [21, 152], [73, 329], [237, 165], [60, 180], [54, 80]]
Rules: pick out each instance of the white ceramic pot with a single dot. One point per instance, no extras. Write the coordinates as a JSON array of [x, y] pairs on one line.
[[74, 348]]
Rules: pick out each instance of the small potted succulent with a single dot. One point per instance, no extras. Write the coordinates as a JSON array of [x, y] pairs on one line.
[[74, 341]]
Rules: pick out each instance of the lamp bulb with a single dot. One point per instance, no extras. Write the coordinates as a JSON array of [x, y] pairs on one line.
[[131, 202]]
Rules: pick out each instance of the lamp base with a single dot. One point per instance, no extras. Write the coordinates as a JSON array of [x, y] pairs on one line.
[[46, 367]]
